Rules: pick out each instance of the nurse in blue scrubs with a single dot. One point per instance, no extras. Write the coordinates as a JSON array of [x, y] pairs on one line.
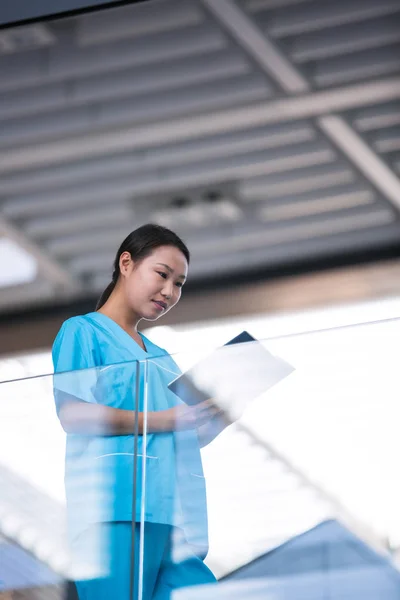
[[96, 358]]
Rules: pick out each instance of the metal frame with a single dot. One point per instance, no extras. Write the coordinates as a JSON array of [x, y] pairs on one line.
[[21, 12]]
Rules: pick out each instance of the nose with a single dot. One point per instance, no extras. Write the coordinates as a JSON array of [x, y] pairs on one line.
[[167, 290]]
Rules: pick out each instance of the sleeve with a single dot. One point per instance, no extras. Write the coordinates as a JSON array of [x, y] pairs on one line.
[[75, 372]]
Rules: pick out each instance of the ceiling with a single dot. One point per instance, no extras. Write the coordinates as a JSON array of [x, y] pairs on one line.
[[265, 132]]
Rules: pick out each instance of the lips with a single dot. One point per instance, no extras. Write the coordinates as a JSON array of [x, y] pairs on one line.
[[162, 305]]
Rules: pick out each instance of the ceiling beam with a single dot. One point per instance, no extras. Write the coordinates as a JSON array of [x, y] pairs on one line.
[[246, 258], [158, 181], [313, 104], [360, 153], [274, 63], [257, 45]]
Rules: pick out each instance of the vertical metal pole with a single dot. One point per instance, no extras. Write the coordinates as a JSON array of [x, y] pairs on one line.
[[143, 486], [135, 461]]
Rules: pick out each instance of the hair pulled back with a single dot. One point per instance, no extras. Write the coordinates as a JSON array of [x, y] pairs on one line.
[[140, 243]]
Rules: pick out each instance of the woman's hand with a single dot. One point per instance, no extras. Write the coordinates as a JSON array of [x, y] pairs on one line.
[[184, 417]]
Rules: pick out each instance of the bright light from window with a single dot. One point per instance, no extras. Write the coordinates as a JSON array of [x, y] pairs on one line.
[[16, 265]]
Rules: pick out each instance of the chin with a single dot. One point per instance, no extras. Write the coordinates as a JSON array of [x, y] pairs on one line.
[[151, 317]]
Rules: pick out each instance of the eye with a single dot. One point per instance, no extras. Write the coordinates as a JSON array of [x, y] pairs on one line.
[[179, 284], [163, 275]]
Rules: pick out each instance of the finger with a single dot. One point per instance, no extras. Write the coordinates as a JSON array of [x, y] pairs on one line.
[[205, 404], [209, 413], [216, 408]]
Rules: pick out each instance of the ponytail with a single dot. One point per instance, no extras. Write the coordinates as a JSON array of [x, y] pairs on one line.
[[105, 295], [109, 289]]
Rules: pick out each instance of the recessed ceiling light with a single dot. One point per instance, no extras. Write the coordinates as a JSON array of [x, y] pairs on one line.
[[16, 265], [212, 196], [180, 202]]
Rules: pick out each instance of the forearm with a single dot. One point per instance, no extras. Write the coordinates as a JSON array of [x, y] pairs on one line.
[[96, 419], [85, 418]]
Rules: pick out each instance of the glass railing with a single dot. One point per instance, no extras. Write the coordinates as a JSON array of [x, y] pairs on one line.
[[269, 470], [60, 476], [302, 492], [33, 532]]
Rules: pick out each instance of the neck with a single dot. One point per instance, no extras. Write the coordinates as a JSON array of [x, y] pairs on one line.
[[117, 310]]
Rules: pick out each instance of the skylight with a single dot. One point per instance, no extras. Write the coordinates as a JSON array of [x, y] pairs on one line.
[[16, 265]]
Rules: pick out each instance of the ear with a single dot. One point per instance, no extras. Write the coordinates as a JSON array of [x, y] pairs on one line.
[[125, 263]]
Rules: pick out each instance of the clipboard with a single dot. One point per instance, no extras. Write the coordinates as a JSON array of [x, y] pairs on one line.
[[233, 375]]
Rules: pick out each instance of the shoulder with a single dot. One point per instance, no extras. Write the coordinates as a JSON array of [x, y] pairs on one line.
[[75, 326], [76, 322], [75, 345]]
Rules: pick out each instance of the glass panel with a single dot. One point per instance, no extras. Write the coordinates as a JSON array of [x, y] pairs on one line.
[[62, 489], [297, 497], [33, 545]]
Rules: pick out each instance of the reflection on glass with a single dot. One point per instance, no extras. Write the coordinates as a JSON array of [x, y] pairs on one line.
[[266, 501]]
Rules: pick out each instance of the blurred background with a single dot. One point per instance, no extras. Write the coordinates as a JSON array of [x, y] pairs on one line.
[[267, 134]]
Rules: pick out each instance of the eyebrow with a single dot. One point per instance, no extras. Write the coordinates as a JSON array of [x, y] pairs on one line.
[[171, 270]]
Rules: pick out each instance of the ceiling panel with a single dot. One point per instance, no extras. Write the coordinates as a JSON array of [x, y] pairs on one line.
[[217, 119], [317, 15]]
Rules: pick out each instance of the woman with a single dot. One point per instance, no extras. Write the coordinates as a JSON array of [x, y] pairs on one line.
[[101, 365]]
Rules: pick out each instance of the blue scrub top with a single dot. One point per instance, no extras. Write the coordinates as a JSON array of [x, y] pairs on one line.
[[96, 361]]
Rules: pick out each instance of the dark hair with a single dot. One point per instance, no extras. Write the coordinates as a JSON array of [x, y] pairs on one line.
[[140, 243]]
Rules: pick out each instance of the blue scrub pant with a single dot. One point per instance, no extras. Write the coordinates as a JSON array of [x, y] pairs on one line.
[[162, 574]]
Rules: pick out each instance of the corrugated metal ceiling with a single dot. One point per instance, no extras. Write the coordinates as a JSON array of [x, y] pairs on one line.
[[263, 131]]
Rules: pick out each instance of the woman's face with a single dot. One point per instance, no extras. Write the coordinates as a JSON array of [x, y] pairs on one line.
[[154, 285]]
